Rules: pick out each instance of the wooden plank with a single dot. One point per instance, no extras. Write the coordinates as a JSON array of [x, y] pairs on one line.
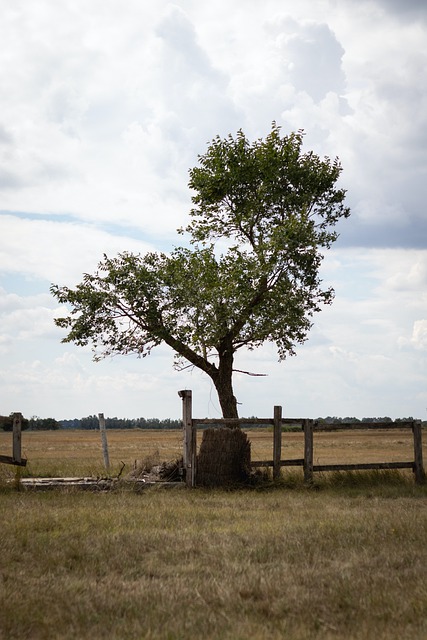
[[308, 450], [104, 441], [298, 462], [361, 466], [419, 472], [193, 455], [277, 441], [98, 484], [261, 463], [16, 447], [246, 421], [189, 453], [233, 421], [11, 460]]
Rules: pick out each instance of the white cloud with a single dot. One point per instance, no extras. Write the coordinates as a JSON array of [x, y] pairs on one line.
[[104, 109], [418, 339], [58, 251]]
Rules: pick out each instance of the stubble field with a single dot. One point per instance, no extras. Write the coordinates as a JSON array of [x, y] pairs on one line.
[[346, 558]]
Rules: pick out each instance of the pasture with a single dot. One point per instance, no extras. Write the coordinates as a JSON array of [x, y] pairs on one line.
[[346, 558]]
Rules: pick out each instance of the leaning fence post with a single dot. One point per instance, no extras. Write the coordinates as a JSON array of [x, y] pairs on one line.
[[308, 450], [419, 472], [277, 442], [16, 447], [189, 453], [104, 442]]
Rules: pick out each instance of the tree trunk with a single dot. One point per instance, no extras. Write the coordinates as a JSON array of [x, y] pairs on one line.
[[227, 400], [223, 382]]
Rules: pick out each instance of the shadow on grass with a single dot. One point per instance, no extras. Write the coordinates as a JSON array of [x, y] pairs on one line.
[[374, 483], [382, 482]]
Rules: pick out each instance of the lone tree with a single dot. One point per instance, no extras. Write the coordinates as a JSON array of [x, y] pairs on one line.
[[275, 208]]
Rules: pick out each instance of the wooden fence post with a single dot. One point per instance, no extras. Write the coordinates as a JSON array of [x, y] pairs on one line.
[[104, 442], [308, 450], [277, 442], [419, 472], [190, 443], [16, 448]]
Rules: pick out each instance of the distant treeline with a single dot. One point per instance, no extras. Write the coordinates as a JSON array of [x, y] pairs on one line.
[[335, 420], [91, 422]]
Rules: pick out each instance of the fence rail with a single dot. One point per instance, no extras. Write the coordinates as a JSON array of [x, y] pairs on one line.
[[309, 427]]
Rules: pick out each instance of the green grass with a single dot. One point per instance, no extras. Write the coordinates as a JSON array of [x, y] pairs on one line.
[[272, 563]]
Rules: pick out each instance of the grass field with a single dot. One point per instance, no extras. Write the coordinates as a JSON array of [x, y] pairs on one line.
[[346, 558], [69, 452]]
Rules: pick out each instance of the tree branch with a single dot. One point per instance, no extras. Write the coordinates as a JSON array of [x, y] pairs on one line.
[[249, 373]]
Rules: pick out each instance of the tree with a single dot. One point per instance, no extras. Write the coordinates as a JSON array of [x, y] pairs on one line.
[[39, 424], [274, 208], [6, 423]]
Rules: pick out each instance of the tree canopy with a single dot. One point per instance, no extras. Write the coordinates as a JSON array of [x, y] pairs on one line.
[[274, 209]]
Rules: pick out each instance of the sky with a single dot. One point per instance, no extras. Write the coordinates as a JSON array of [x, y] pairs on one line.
[[105, 106]]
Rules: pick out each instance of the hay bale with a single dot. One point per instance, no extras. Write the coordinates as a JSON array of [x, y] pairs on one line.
[[224, 458]]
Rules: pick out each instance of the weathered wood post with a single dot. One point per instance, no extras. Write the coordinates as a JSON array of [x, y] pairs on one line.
[[277, 442], [419, 472], [308, 450], [104, 441], [16, 447], [190, 443]]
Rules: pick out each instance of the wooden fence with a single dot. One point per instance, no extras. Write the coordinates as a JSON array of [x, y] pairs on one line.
[[16, 457], [309, 427]]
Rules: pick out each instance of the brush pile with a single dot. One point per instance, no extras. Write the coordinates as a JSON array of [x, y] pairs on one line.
[[150, 469]]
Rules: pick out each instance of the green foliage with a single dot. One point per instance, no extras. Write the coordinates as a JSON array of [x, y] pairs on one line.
[[6, 423], [276, 209], [43, 424], [267, 193]]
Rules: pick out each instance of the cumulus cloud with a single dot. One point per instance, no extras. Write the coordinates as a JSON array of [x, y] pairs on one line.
[[103, 112], [26, 320], [57, 251], [313, 57], [113, 108], [419, 334], [418, 338]]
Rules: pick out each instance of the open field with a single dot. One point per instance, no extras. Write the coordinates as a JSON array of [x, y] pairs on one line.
[[69, 452], [345, 559]]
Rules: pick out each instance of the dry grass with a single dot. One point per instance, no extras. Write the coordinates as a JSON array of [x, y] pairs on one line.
[[175, 564], [69, 452], [342, 446], [347, 560], [79, 453]]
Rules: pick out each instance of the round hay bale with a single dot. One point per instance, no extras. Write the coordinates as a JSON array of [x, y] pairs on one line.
[[224, 458]]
